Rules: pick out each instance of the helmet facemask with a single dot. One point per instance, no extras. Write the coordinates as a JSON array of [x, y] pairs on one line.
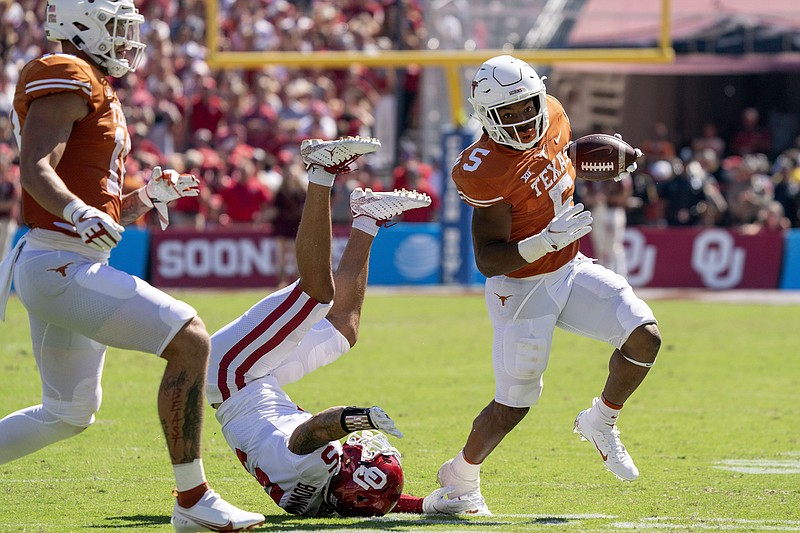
[[106, 30], [372, 443], [503, 81]]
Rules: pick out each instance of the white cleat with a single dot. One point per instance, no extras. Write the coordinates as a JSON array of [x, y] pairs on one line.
[[438, 502], [459, 488], [335, 156], [212, 513], [382, 206], [477, 505], [606, 439]]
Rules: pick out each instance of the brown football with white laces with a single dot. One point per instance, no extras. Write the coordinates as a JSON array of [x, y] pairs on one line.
[[600, 157]]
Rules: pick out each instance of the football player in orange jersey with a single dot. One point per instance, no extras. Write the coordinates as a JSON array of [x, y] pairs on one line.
[[73, 140], [525, 232]]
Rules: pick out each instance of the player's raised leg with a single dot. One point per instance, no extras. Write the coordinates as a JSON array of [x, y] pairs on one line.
[[324, 159], [313, 244], [370, 211]]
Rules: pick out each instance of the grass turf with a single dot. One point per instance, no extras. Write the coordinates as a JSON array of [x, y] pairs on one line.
[[711, 429]]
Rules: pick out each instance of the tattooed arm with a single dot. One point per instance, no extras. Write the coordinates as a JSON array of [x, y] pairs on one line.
[[336, 422], [318, 431], [132, 208]]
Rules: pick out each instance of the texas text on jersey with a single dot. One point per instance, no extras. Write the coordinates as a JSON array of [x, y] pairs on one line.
[[537, 183]]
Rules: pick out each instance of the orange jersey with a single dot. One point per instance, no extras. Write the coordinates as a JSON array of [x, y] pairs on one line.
[[536, 183], [92, 166]]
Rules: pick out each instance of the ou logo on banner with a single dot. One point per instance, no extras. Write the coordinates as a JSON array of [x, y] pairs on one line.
[[718, 261], [640, 258], [369, 477]]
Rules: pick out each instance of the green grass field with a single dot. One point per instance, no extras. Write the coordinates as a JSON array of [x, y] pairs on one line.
[[713, 430]]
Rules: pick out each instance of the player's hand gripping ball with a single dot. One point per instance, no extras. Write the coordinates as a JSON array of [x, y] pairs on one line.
[[600, 157]]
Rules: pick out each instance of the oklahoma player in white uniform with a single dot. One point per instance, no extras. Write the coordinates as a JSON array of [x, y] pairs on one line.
[[525, 233], [73, 139], [294, 455]]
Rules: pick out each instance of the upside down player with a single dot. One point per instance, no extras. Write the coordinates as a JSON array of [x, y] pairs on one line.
[[525, 232], [73, 140], [295, 456]]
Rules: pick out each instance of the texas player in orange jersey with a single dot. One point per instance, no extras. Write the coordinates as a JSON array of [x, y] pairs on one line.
[[525, 232], [73, 139]]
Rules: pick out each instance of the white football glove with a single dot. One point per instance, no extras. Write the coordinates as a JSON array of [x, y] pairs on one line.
[[437, 502], [378, 419], [164, 187], [565, 228], [633, 166], [93, 226]]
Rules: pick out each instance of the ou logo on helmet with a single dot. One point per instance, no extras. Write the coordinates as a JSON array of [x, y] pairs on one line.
[[369, 477]]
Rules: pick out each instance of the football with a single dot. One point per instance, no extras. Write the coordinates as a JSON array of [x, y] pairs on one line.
[[600, 157]]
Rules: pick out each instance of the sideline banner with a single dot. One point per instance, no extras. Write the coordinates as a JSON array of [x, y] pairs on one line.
[[403, 254], [407, 253], [131, 255], [221, 258], [411, 254], [710, 258], [790, 277]]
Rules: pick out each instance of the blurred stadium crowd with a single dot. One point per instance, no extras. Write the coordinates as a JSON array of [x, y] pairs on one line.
[[240, 130]]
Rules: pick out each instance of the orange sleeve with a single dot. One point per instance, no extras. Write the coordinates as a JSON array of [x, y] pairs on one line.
[[59, 73], [93, 164], [475, 174]]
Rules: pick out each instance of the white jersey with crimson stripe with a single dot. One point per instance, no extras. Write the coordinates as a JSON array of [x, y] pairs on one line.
[[257, 423], [279, 340], [256, 343]]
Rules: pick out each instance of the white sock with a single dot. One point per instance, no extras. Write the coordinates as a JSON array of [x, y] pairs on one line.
[[320, 176], [605, 414], [189, 475], [464, 469], [366, 224]]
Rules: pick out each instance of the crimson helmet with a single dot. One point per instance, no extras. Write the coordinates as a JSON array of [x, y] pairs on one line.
[[370, 479]]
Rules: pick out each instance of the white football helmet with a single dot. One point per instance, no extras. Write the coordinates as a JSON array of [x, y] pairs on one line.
[[107, 30], [505, 80]]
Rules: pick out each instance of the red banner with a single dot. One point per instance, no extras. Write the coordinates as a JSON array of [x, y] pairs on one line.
[[711, 258], [220, 258]]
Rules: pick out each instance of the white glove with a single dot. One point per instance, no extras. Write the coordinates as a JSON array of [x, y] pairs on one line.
[[164, 187], [565, 228], [380, 420], [633, 166], [437, 502], [93, 226]]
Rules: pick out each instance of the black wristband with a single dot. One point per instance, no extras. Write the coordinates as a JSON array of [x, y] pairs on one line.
[[356, 419]]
